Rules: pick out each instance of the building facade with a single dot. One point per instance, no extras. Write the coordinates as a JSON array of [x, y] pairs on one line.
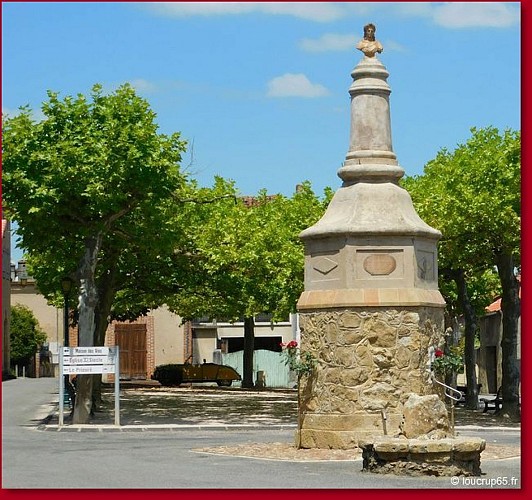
[[6, 295], [161, 337]]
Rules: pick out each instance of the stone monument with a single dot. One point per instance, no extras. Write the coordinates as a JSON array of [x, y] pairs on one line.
[[371, 310]]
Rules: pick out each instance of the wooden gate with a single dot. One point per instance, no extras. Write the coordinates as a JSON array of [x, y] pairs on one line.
[[131, 339]]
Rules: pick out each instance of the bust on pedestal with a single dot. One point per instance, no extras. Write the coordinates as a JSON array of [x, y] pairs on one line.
[[371, 308]]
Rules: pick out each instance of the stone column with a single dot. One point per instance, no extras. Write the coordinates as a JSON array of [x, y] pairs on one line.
[[371, 307]]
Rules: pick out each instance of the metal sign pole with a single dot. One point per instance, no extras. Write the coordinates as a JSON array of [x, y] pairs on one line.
[[61, 387], [117, 387]]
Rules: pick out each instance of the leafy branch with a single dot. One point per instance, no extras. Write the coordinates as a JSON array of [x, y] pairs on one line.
[[301, 364]]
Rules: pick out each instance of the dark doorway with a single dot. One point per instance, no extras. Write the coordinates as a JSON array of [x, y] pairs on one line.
[[235, 344]]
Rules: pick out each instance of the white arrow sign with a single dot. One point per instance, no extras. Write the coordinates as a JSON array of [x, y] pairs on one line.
[[88, 369], [84, 351]]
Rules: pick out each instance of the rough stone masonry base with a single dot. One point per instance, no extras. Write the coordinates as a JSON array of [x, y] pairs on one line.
[[369, 362], [441, 457]]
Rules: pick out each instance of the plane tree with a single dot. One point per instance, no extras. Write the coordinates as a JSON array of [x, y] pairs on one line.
[[473, 195], [89, 185], [249, 259]]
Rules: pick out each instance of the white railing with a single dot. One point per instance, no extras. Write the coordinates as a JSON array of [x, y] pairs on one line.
[[452, 393]]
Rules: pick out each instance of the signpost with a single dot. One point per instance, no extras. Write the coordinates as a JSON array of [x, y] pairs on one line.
[[88, 361]]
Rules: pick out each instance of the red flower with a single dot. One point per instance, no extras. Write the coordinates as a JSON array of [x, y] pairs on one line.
[[290, 345], [438, 353]]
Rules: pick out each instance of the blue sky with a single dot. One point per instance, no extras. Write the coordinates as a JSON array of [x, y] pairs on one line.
[[260, 90]]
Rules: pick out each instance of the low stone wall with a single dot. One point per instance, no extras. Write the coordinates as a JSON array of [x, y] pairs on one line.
[[414, 457]]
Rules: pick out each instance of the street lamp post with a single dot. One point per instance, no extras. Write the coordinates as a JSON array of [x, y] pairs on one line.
[[66, 287]]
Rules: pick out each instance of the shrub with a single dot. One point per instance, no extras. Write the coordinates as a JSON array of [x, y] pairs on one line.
[[25, 334]]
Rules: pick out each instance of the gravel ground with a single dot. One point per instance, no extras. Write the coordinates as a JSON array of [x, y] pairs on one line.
[[194, 404], [285, 451]]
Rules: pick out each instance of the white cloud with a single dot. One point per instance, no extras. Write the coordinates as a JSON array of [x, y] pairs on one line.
[[334, 42], [35, 114], [329, 42], [466, 15], [314, 11], [10, 112], [392, 46], [450, 15], [295, 85], [142, 85]]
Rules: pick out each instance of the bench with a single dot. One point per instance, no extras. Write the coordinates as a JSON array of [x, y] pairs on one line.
[[495, 403], [463, 390]]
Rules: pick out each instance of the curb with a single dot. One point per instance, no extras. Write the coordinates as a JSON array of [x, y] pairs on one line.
[[480, 428], [45, 425]]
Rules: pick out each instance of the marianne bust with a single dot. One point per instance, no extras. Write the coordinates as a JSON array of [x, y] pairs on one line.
[[369, 45]]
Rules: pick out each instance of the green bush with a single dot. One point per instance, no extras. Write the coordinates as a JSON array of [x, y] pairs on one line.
[[25, 334]]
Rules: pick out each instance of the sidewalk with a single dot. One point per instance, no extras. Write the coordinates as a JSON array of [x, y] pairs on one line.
[[148, 406]]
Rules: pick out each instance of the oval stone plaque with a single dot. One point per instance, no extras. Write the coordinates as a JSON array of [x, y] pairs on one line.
[[379, 264]]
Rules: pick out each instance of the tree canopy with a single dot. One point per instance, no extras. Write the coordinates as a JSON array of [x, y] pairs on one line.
[[89, 186], [99, 196], [93, 166], [247, 254], [473, 196], [248, 259]]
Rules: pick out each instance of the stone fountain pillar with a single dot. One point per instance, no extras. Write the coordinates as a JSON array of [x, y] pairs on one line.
[[371, 308]]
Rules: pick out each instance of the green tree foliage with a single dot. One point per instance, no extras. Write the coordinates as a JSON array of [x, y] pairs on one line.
[[25, 333], [473, 195], [247, 254], [248, 258], [90, 186]]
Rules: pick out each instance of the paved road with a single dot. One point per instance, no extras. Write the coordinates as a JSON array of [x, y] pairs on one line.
[[154, 458]]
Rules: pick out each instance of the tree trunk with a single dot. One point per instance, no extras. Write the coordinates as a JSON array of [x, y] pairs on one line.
[[107, 289], [511, 311], [249, 348], [470, 319], [88, 301], [450, 378]]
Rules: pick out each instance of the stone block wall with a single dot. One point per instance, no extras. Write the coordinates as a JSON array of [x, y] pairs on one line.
[[369, 361], [414, 457]]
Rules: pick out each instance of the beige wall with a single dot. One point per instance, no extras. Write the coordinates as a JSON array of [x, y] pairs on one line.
[[204, 344], [168, 331], [49, 317], [6, 282], [284, 330], [169, 337]]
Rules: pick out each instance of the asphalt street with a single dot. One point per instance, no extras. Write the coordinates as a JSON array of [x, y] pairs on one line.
[[166, 456]]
